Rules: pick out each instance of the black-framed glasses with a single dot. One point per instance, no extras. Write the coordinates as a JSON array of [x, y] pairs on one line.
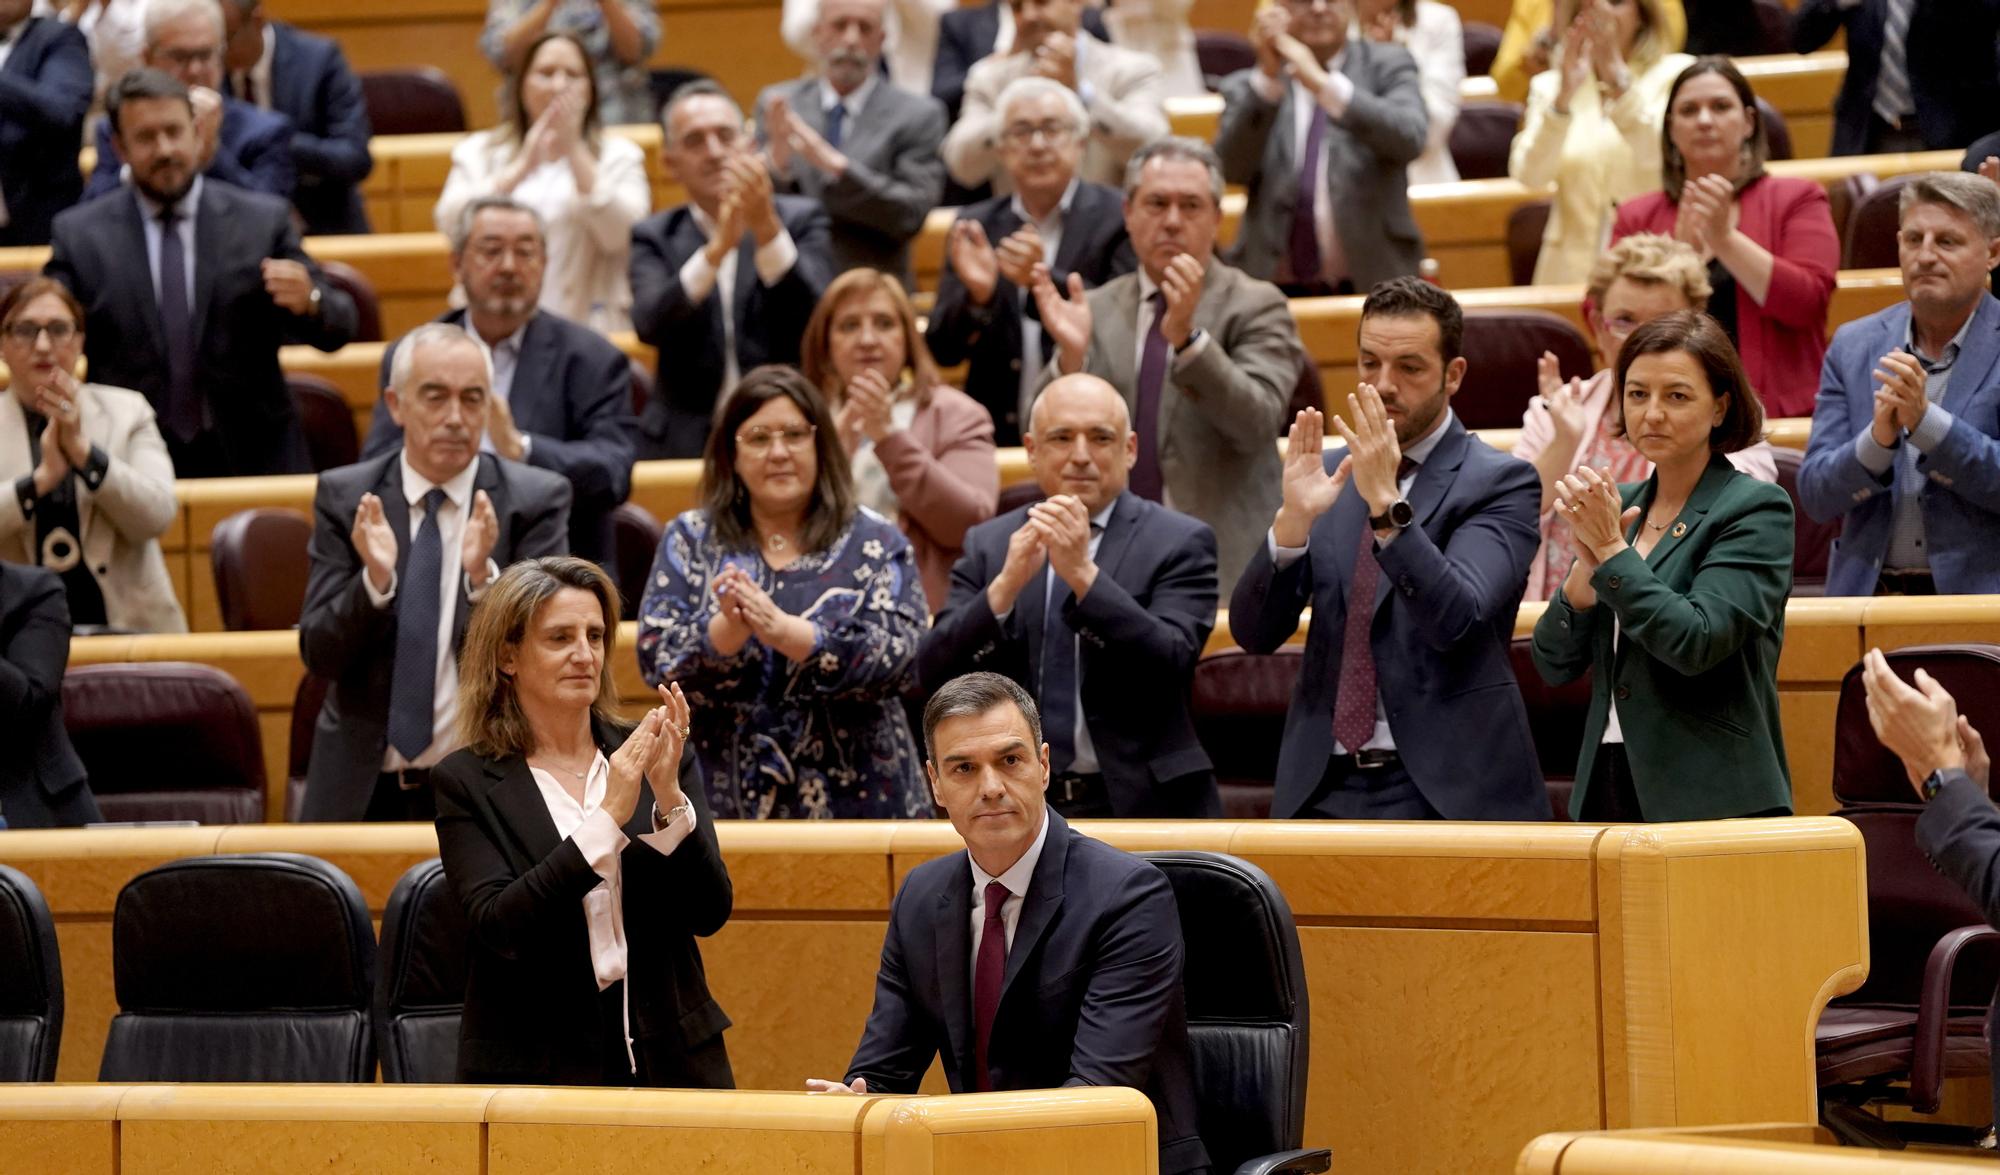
[[25, 333]]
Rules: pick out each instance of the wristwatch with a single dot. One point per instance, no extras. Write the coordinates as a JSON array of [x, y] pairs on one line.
[[1399, 515], [1933, 783]]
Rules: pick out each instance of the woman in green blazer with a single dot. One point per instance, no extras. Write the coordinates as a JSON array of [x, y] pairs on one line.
[[1677, 599]]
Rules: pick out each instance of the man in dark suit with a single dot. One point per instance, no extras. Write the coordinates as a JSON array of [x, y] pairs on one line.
[[189, 287], [561, 397], [42, 783], [275, 67], [403, 546], [1922, 75], [863, 148], [725, 282], [1406, 709], [1349, 115], [984, 316], [1036, 959], [1098, 602], [967, 34], [237, 143], [45, 89]]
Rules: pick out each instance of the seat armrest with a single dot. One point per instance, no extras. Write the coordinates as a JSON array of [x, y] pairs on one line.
[[1934, 1014], [1305, 1162]]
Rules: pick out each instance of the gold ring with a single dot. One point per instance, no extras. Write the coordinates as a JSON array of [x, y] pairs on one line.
[[682, 731]]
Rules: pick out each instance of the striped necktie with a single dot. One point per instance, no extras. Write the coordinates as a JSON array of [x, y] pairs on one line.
[[1892, 82]]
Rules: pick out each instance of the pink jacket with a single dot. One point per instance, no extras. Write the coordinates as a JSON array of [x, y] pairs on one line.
[[946, 480]]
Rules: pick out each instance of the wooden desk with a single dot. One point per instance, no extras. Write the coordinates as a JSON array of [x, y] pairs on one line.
[[1727, 1150]]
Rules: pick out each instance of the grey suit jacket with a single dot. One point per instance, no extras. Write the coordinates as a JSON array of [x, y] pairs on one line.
[[1368, 150], [1221, 412], [894, 175]]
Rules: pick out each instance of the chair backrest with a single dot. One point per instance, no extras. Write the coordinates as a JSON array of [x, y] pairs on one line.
[[1556, 715], [1482, 45], [1308, 392], [1502, 347], [243, 967], [1238, 702], [326, 420], [1812, 540], [420, 100], [306, 705], [367, 306], [1221, 53], [661, 83], [1247, 1013], [1525, 226], [635, 543], [1777, 133], [1774, 33], [1482, 136], [1872, 222], [1841, 198], [421, 995], [166, 740], [1021, 493], [31, 983], [260, 563], [642, 387]]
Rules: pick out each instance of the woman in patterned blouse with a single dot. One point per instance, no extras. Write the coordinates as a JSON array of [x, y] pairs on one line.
[[791, 617]]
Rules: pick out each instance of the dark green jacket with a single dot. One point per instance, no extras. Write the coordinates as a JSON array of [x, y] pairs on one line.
[[1696, 668]]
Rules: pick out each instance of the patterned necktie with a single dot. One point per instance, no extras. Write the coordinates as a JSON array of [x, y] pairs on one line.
[[1057, 695], [836, 123], [1354, 703], [413, 678], [1147, 481], [183, 406], [1892, 82], [987, 975], [1307, 264]]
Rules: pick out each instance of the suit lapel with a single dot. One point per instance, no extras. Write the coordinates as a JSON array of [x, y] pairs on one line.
[[533, 374], [1076, 223], [1692, 515], [1975, 358], [517, 806], [1118, 535], [133, 227], [1116, 332], [1042, 903], [207, 238], [954, 963], [395, 508]]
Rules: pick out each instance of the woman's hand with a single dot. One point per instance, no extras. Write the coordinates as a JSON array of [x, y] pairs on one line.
[[664, 772], [790, 635], [1607, 56], [629, 764], [61, 400], [1564, 404], [1575, 62], [1588, 501], [868, 398], [728, 631]]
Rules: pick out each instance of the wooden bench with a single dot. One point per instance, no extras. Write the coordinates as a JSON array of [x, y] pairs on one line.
[[1730, 1150]]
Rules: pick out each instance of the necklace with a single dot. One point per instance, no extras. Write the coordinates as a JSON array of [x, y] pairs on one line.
[[581, 776], [776, 542], [1650, 525]]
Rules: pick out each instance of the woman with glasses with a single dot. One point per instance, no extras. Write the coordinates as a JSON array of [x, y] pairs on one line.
[[791, 616], [92, 485], [1573, 424], [1768, 241]]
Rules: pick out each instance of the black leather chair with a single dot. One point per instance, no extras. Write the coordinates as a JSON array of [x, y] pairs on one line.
[[1872, 223], [1502, 347], [306, 705], [166, 740], [661, 83], [1482, 136], [422, 991], [1247, 1015], [635, 543], [1238, 703], [260, 561], [1525, 226], [1219, 53], [326, 420], [367, 306], [1556, 716], [1482, 45], [1777, 133], [420, 100], [31, 984], [243, 967]]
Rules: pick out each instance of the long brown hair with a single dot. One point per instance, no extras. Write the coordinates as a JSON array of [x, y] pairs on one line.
[[816, 348], [722, 495], [518, 122], [1756, 149], [490, 720]]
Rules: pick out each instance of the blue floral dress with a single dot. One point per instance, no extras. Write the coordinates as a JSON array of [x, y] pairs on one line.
[[825, 737]]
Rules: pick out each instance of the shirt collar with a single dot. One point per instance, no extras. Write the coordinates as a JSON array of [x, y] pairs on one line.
[[270, 47], [186, 204], [458, 488], [1421, 451], [1020, 873], [512, 342], [1950, 349], [1062, 205], [854, 101]]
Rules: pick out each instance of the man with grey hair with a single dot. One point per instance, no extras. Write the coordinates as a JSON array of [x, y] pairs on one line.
[[277, 67], [1904, 442], [235, 142], [985, 316], [1123, 92], [404, 544], [1205, 355]]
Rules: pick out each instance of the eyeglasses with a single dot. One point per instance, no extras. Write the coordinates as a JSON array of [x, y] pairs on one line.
[[183, 58], [1021, 134], [25, 333], [491, 253], [758, 441], [1622, 325]]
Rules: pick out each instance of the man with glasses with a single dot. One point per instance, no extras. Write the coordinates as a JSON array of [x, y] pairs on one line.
[[235, 141], [45, 86], [1322, 130], [1122, 93], [985, 316], [561, 398]]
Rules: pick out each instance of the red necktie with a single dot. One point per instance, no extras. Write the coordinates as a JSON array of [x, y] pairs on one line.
[[986, 977], [1354, 704]]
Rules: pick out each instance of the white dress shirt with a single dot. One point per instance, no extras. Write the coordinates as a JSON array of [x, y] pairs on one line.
[[149, 221], [1016, 879], [1332, 98], [1083, 754], [854, 101], [258, 75], [699, 279]]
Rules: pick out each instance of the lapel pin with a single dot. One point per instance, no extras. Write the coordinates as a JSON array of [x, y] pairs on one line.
[[1680, 528]]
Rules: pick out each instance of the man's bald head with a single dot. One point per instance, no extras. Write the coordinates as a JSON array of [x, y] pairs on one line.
[[1080, 440]]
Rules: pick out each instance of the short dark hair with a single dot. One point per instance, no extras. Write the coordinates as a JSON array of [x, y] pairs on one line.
[[1696, 334], [1412, 297], [722, 495], [1756, 148], [976, 693], [698, 88], [139, 84]]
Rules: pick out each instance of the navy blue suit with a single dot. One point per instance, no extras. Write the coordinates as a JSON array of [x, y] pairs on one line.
[[1959, 480], [572, 393], [1092, 994], [1953, 54], [42, 782], [1143, 624], [1443, 622], [253, 150], [967, 34], [45, 90], [312, 85]]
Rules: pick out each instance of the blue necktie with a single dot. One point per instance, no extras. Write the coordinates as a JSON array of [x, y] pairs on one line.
[[183, 406], [413, 681], [836, 122]]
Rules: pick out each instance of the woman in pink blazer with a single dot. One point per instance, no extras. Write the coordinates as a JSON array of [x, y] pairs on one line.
[[922, 451], [1768, 242]]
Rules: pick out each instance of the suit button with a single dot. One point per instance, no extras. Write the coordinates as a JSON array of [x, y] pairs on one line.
[[1614, 583], [1621, 693]]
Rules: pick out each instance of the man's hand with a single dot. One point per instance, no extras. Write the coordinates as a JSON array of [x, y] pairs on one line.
[[1919, 724], [1989, 169], [507, 439], [1064, 522], [778, 135], [973, 260], [375, 542], [1270, 24], [728, 229], [475, 548], [1977, 764], [1371, 445], [819, 1085], [1066, 319], [1055, 59], [1181, 283], [207, 106], [756, 206], [1309, 490], [290, 284], [1305, 64], [1902, 379], [806, 142], [1019, 253], [1027, 553]]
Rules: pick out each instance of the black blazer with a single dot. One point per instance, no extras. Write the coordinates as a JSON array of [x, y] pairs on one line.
[[42, 781], [1953, 53], [572, 392], [1092, 994], [346, 639], [1143, 624], [988, 338], [100, 254], [312, 85], [967, 34], [45, 90], [532, 1006], [770, 320]]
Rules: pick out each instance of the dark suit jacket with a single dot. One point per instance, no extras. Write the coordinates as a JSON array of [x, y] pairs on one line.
[[967, 34], [45, 90], [1960, 833], [988, 338], [572, 393], [1696, 666], [100, 254], [1143, 624], [1953, 52], [346, 639], [1443, 624], [770, 320], [532, 1006], [312, 85], [1092, 994], [253, 150], [42, 781]]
